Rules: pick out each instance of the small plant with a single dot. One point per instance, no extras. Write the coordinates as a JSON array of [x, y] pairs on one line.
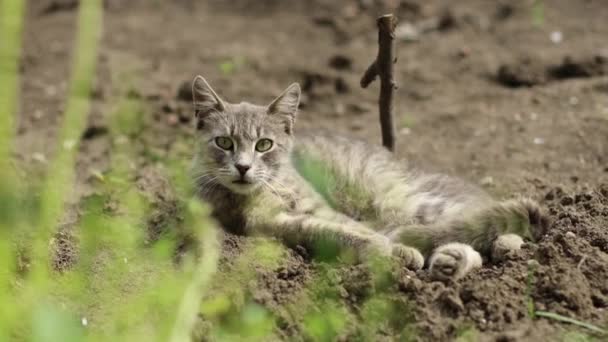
[[538, 13]]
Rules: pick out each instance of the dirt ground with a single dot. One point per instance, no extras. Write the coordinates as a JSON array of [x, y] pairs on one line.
[[512, 95]]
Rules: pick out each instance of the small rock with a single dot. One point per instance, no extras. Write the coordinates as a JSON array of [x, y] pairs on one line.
[[184, 116], [172, 119], [38, 114], [169, 107], [340, 62], [567, 200], [487, 181], [357, 108], [184, 92], [50, 91], [556, 37], [94, 131], [59, 6], [405, 131], [517, 117], [539, 141], [340, 109], [463, 52], [39, 157], [533, 116], [341, 86], [532, 263], [570, 235], [504, 11], [447, 21], [407, 32], [350, 11]]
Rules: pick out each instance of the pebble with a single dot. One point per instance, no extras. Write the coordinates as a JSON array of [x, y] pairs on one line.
[[533, 116], [533, 263], [340, 62], [556, 37], [38, 114], [405, 131], [407, 32], [538, 141], [570, 234], [172, 119], [69, 144], [486, 181], [39, 157]]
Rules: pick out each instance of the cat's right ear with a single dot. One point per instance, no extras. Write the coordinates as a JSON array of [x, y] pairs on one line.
[[204, 98]]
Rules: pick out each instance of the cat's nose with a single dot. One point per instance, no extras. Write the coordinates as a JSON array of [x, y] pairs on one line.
[[243, 168]]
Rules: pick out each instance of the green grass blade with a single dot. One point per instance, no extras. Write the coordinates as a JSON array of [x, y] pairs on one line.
[[190, 304], [11, 27], [565, 319], [60, 177]]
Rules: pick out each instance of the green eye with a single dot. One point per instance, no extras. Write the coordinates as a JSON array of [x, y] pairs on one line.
[[263, 145], [224, 143]]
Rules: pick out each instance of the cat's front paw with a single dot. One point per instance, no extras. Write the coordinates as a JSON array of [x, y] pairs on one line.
[[453, 261], [410, 257]]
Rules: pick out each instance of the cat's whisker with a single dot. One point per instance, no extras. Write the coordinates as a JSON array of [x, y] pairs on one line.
[[204, 187]]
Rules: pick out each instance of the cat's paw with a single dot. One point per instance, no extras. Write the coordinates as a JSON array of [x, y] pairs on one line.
[[453, 261], [410, 257], [504, 245]]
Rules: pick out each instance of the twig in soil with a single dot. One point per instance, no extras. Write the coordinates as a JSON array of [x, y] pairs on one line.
[[383, 67], [565, 319]]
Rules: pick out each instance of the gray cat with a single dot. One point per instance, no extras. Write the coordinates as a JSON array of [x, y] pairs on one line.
[[263, 180]]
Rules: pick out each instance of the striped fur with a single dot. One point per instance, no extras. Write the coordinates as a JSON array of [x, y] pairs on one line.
[[314, 188]]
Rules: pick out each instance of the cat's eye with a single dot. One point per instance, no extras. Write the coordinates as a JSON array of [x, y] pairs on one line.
[[263, 145], [224, 143]]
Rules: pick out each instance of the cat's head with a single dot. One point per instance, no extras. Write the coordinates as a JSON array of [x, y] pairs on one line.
[[242, 146]]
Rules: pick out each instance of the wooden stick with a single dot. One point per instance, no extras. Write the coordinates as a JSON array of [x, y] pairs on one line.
[[383, 67]]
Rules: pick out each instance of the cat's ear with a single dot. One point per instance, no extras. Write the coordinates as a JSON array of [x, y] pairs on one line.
[[204, 98], [286, 105]]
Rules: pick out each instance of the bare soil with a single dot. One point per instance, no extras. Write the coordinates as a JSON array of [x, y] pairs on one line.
[[488, 90]]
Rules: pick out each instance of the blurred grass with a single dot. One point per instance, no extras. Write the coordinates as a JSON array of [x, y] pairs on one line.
[[11, 26], [122, 286], [60, 173], [538, 13]]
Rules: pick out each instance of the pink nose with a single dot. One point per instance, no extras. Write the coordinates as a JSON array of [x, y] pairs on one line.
[[243, 168]]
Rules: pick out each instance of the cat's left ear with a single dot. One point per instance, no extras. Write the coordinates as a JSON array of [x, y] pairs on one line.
[[204, 98], [286, 105]]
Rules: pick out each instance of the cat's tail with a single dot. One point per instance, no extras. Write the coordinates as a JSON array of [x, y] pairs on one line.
[[480, 227], [523, 217]]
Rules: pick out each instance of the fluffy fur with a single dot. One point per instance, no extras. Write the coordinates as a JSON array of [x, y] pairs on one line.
[[324, 188]]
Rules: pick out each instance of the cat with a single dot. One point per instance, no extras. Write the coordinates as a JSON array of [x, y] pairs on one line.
[[262, 179]]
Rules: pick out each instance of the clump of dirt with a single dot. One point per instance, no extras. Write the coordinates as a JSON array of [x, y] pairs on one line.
[[564, 273], [277, 287], [528, 72]]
